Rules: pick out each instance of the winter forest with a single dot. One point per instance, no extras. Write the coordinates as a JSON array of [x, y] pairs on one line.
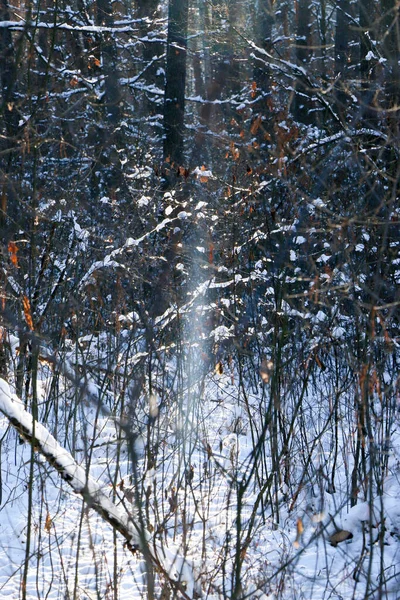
[[199, 299]]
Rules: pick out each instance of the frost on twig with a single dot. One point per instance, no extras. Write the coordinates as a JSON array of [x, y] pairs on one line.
[[82, 483]]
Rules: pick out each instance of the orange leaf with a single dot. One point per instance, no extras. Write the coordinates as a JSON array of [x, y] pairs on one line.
[[48, 523], [27, 312], [182, 171], [211, 253], [299, 532], [255, 126], [299, 527], [13, 249], [219, 369], [204, 178], [235, 152], [266, 370]]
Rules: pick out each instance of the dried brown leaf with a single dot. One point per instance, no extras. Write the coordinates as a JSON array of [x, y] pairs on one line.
[[48, 523], [27, 312], [13, 249]]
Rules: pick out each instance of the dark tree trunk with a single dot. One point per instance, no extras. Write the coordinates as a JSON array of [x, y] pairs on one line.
[[367, 64], [7, 72], [6, 54], [8, 112], [391, 51], [302, 108], [153, 55], [264, 20], [344, 54], [109, 53], [174, 101], [107, 176]]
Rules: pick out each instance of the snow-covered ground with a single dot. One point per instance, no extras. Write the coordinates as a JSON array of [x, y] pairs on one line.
[[251, 512]]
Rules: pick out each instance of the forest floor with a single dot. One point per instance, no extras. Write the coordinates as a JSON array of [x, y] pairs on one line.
[[203, 497]]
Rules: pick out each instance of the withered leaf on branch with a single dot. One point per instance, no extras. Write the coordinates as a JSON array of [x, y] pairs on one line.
[[48, 523], [266, 370], [27, 312], [299, 532], [219, 369], [13, 249]]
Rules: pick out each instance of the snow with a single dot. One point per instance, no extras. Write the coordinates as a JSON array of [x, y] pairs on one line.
[[144, 201], [222, 333], [300, 240], [219, 456], [158, 424], [60, 458], [100, 264], [338, 332], [201, 172], [200, 205], [370, 56], [92, 490], [320, 316]]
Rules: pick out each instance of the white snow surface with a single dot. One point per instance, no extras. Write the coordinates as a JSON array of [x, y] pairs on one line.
[[81, 482], [75, 551]]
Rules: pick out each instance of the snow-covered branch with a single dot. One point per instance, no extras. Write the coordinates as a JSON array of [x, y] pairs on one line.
[[37, 435], [166, 560], [121, 27]]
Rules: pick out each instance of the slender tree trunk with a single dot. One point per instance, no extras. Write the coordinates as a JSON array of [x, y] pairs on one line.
[[153, 55], [107, 175], [367, 64], [302, 104], [342, 35], [391, 51], [8, 112], [174, 101], [201, 68], [264, 21], [109, 53], [7, 62]]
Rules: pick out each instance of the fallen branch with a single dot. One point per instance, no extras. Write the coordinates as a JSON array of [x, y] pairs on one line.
[[175, 568]]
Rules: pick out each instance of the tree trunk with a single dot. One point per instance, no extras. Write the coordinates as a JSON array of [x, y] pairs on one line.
[[367, 62], [391, 51], [174, 101], [302, 103], [342, 54], [108, 49], [153, 55], [7, 109], [7, 65], [264, 20]]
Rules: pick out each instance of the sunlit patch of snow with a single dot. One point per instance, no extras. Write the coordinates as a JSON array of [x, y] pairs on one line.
[[222, 333], [338, 332]]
